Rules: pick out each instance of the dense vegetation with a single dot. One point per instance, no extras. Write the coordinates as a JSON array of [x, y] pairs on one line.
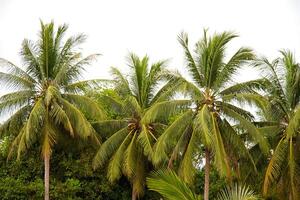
[[149, 133]]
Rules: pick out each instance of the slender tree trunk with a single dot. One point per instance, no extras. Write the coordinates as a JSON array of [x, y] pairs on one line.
[[133, 195], [46, 175], [207, 171]]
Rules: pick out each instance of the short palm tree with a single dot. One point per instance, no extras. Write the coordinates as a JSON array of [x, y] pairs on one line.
[[46, 101], [171, 187], [282, 85], [139, 101], [208, 122]]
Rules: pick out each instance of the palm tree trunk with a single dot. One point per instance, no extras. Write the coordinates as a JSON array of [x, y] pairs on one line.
[[207, 170], [46, 175], [133, 195]]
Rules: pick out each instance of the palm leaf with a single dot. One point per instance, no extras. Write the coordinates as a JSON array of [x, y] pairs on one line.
[[237, 192], [192, 67], [168, 184], [109, 147]]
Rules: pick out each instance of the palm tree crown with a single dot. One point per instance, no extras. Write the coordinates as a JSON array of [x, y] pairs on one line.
[[139, 102]]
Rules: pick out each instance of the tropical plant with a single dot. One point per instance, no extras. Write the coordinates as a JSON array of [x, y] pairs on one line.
[[171, 187], [131, 136], [282, 113], [47, 101], [208, 123], [237, 192]]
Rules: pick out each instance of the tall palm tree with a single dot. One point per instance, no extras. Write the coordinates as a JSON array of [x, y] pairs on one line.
[[282, 112], [139, 101], [208, 123], [46, 100]]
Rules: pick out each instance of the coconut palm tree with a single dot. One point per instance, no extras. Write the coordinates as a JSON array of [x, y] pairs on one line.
[[144, 109], [208, 123], [282, 94], [46, 100], [171, 187]]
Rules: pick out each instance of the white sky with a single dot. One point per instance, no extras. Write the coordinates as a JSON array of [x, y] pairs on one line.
[[115, 28]]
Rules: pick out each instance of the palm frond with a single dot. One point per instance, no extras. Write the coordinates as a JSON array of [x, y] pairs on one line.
[[185, 87], [49, 138], [249, 98], [116, 162], [108, 147], [14, 123], [246, 114], [87, 85], [169, 185], [35, 123], [86, 105], [191, 64], [12, 81], [276, 164], [211, 54], [139, 177], [11, 68], [147, 140], [160, 111], [237, 192], [164, 143], [106, 128], [241, 57], [247, 87], [60, 117], [218, 149], [292, 77], [81, 126], [186, 168], [203, 124], [294, 124], [29, 53], [131, 156], [13, 104], [132, 106], [153, 79], [139, 68], [252, 130], [121, 82], [234, 140]]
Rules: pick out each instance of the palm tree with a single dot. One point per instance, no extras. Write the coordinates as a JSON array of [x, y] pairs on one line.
[[208, 122], [171, 187], [143, 110], [47, 100], [282, 86]]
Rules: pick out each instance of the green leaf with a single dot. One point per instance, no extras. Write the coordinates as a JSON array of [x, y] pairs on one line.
[[168, 184]]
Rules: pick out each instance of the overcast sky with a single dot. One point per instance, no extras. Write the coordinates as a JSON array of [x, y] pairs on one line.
[[115, 28]]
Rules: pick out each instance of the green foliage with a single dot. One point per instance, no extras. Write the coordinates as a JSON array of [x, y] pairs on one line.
[[210, 94], [171, 187], [143, 125], [217, 183], [142, 113], [237, 192], [72, 178]]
